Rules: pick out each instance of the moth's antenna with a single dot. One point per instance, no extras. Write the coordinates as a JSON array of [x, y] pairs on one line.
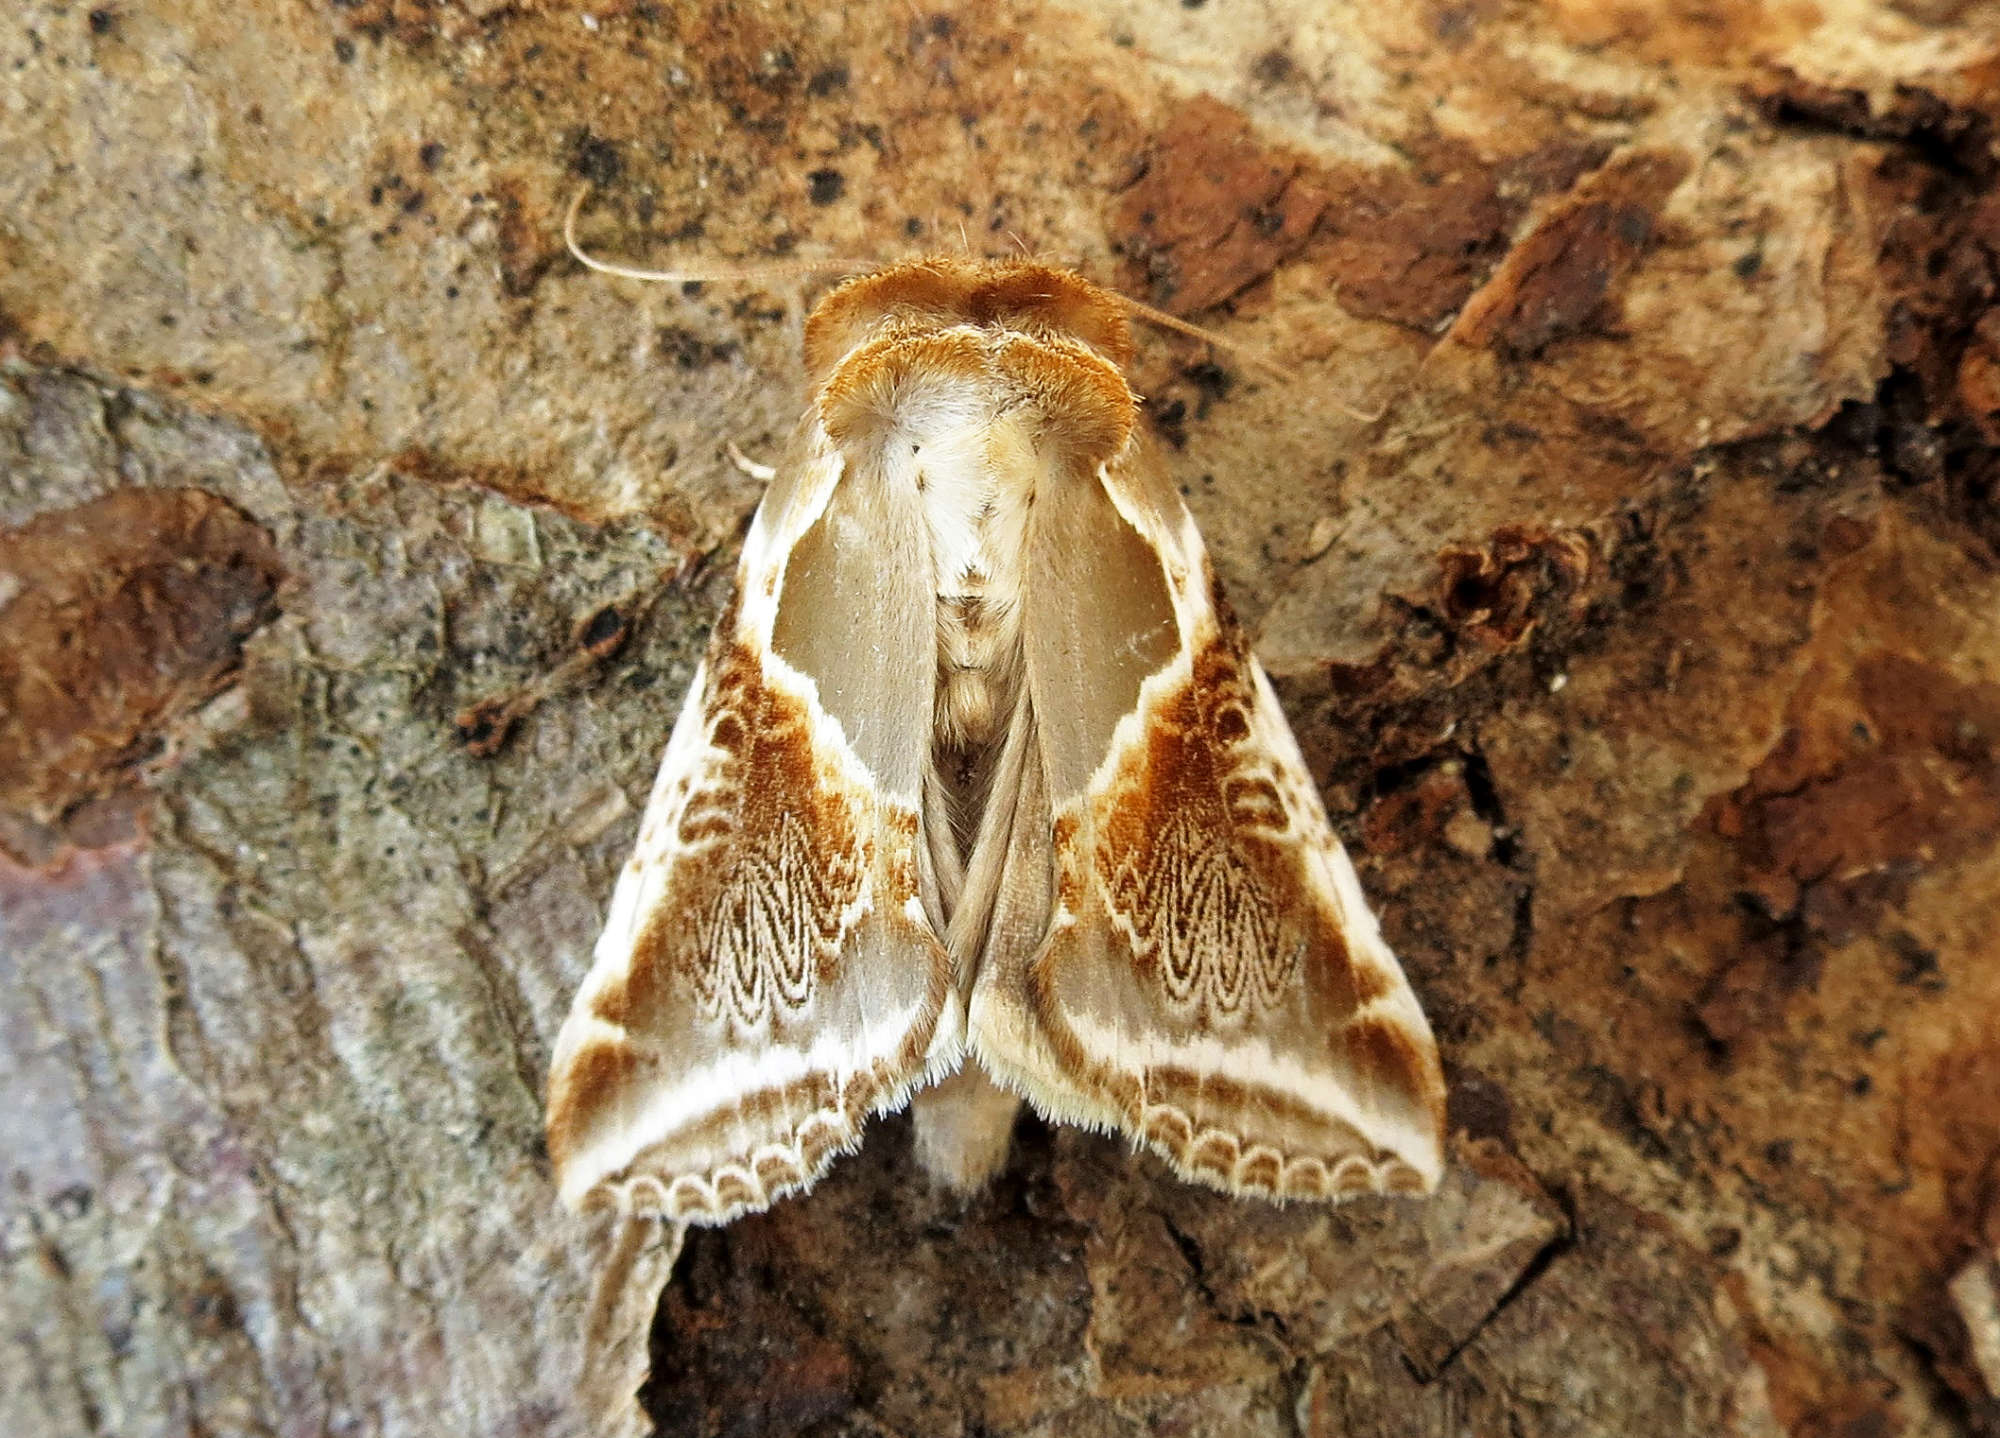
[[1250, 354], [763, 473], [747, 272]]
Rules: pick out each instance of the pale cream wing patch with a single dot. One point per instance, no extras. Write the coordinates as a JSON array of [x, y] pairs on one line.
[[1212, 982], [768, 976]]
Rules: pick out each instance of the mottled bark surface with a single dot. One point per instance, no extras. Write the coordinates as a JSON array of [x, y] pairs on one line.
[[355, 546]]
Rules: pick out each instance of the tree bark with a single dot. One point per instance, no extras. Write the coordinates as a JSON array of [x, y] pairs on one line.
[[1603, 443]]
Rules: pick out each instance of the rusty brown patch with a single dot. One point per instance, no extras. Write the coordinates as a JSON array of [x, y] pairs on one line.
[[120, 616], [1372, 983], [1217, 902], [1496, 592], [529, 237], [578, 1091], [1562, 279], [1411, 252], [1387, 1058], [1412, 246], [1214, 211]]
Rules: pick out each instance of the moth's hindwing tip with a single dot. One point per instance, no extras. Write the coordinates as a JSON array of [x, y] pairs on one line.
[[661, 1180], [736, 1187], [1240, 1165]]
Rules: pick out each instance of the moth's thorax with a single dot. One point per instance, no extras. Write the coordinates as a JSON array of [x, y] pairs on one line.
[[976, 484], [969, 387]]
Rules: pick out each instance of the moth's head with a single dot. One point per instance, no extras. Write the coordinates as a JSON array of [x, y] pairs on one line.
[[882, 343], [1018, 296]]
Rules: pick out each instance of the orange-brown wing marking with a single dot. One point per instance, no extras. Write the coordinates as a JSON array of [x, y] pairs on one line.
[[774, 854], [1194, 863]]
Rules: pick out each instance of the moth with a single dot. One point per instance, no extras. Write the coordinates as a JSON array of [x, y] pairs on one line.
[[980, 796]]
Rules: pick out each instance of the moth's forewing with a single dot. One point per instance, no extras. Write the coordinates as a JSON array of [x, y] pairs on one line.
[[1212, 982], [768, 976]]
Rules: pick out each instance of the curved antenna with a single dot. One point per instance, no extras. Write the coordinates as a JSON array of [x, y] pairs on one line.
[[1249, 354], [752, 272], [756, 272]]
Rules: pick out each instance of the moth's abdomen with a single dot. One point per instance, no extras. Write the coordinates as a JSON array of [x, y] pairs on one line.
[[979, 671]]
